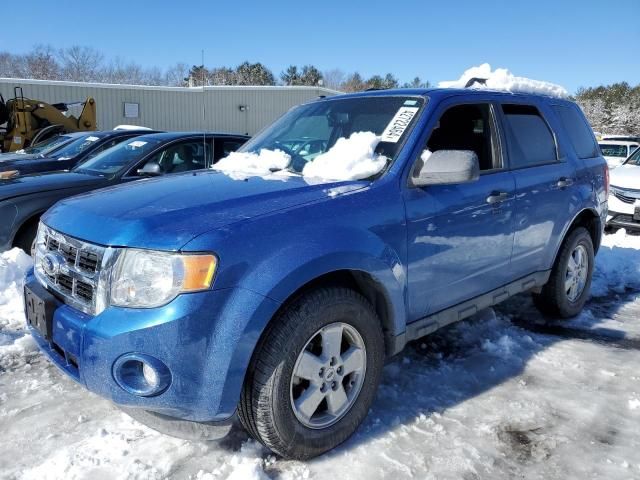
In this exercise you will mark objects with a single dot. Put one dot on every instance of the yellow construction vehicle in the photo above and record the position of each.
(31, 121)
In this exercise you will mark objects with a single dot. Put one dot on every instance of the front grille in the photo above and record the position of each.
(624, 198)
(625, 195)
(69, 267)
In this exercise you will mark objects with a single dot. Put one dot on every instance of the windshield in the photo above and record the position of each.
(634, 159)
(614, 150)
(123, 155)
(74, 148)
(311, 130)
(46, 146)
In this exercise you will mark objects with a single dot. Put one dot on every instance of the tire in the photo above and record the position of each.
(26, 239)
(555, 299)
(268, 407)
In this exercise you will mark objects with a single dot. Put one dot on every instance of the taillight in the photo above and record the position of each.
(606, 180)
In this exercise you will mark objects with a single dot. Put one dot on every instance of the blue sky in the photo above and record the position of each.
(571, 42)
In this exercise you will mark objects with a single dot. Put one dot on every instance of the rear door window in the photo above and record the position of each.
(530, 141)
(578, 130)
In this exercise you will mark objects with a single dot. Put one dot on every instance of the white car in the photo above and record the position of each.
(624, 195)
(616, 151)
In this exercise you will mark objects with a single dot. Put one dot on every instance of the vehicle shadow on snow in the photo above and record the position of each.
(467, 359)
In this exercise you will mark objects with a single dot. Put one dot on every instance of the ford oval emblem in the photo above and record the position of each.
(51, 263)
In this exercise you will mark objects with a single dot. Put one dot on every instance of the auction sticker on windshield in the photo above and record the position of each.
(398, 124)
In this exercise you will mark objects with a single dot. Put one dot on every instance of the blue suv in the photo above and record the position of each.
(275, 298)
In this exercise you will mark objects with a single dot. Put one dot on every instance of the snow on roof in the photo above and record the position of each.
(503, 80)
(130, 127)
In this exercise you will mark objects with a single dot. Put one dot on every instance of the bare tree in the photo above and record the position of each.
(333, 78)
(81, 64)
(41, 63)
(12, 66)
(177, 75)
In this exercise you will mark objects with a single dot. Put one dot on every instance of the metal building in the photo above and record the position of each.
(232, 109)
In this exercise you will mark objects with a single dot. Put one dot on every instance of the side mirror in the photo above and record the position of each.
(150, 169)
(446, 167)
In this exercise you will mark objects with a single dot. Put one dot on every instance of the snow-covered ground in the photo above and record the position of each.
(502, 395)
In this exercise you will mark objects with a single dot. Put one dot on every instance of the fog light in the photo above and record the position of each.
(141, 375)
(150, 375)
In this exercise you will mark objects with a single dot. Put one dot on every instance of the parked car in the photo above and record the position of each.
(82, 145)
(23, 199)
(624, 199)
(624, 138)
(41, 149)
(615, 152)
(278, 294)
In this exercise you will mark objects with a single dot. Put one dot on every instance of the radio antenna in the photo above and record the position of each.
(204, 115)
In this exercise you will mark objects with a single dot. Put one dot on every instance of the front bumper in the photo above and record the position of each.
(204, 339)
(621, 214)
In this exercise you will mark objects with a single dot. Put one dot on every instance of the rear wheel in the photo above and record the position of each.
(567, 290)
(314, 374)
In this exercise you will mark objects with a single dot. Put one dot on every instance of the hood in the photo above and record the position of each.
(8, 157)
(46, 182)
(165, 213)
(625, 176)
(23, 161)
(613, 162)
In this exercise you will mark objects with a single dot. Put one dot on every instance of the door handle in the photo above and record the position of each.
(564, 182)
(497, 197)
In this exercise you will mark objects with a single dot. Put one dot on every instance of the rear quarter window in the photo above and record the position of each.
(530, 141)
(578, 130)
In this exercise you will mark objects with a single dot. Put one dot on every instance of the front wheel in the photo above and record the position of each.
(567, 290)
(314, 374)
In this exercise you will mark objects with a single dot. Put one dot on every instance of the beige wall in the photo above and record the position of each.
(174, 108)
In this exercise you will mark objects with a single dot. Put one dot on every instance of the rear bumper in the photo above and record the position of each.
(204, 339)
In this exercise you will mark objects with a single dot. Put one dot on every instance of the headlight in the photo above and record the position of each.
(146, 279)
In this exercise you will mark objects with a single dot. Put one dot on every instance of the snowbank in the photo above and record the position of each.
(617, 264)
(503, 79)
(352, 158)
(484, 398)
(249, 163)
(14, 345)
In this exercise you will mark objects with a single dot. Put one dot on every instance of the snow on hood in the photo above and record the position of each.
(352, 158)
(503, 79)
(240, 164)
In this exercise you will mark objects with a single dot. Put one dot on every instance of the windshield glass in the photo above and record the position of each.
(74, 148)
(123, 155)
(614, 150)
(310, 131)
(634, 159)
(47, 146)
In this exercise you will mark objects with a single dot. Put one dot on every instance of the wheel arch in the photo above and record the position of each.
(365, 284)
(591, 221)
(25, 224)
